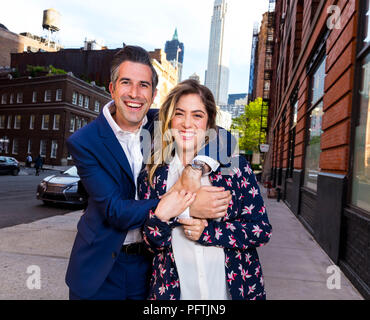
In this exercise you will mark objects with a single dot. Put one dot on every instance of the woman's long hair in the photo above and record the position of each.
(162, 155)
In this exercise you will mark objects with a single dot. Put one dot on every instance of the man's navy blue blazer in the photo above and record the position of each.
(112, 209)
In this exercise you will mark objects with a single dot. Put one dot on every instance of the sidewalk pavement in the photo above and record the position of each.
(294, 265)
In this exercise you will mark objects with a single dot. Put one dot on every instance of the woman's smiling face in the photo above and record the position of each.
(189, 123)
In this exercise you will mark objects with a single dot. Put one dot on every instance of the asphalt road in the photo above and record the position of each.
(18, 203)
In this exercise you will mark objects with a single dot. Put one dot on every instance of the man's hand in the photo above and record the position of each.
(193, 227)
(189, 180)
(210, 203)
(173, 203)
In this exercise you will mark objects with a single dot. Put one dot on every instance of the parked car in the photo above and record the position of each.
(65, 187)
(9, 165)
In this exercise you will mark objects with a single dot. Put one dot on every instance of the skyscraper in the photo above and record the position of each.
(175, 52)
(217, 74)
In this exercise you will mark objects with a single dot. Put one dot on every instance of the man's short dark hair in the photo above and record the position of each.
(133, 54)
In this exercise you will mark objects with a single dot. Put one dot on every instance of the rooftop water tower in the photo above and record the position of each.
(51, 22)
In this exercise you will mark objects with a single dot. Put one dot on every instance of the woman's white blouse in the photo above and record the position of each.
(201, 269)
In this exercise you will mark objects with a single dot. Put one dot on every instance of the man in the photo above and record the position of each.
(108, 260)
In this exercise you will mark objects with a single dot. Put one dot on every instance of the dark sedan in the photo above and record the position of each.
(62, 188)
(9, 165)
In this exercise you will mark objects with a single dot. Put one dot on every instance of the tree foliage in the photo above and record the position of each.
(249, 126)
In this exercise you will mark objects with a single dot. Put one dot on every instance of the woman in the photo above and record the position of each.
(196, 259)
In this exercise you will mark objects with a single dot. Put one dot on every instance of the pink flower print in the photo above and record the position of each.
(248, 169)
(147, 194)
(172, 297)
(241, 289)
(248, 210)
(227, 261)
(164, 184)
(229, 182)
(257, 231)
(218, 176)
(251, 289)
(231, 276)
(237, 172)
(263, 210)
(151, 214)
(257, 271)
(207, 237)
(154, 231)
(218, 233)
(162, 289)
(253, 191)
(245, 182)
(232, 241)
(245, 234)
(231, 203)
(248, 258)
(230, 226)
(244, 273)
(238, 255)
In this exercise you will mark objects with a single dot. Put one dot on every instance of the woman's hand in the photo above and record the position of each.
(193, 227)
(173, 203)
(189, 180)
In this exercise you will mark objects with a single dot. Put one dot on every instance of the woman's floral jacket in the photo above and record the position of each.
(244, 228)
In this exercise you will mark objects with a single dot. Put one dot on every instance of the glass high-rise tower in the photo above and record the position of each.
(217, 74)
(175, 52)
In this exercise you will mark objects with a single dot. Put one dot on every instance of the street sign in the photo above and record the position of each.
(264, 147)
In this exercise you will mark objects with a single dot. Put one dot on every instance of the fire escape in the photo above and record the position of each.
(268, 68)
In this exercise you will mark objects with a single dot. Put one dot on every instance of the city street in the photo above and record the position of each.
(18, 203)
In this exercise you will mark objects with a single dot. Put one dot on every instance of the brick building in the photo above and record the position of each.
(11, 42)
(94, 65)
(319, 127)
(38, 114)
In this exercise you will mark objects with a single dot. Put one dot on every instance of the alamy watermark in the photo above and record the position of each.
(334, 20)
(334, 280)
(34, 280)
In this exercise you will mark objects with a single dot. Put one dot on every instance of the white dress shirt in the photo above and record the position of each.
(130, 143)
(201, 269)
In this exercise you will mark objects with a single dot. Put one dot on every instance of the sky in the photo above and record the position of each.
(147, 23)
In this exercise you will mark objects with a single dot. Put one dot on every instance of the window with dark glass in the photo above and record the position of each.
(314, 121)
(361, 158)
(292, 134)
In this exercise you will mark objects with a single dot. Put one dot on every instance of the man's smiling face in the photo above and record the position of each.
(132, 94)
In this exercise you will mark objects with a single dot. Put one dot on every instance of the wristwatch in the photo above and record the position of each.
(198, 165)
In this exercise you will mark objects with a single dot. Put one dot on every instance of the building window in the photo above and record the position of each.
(97, 106)
(54, 149)
(9, 126)
(19, 97)
(45, 122)
(78, 123)
(17, 122)
(313, 150)
(15, 146)
(11, 100)
(3, 98)
(80, 100)
(86, 102)
(58, 95)
(43, 148)
(29, 147)
(56, 122)
(361, 162)
(292, 134)
(74, 98)
(47, 97)
(34, 97)
(32, 122)
(2, 122)
(72, 124)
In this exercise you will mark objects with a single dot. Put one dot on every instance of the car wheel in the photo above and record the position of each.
(15, 172)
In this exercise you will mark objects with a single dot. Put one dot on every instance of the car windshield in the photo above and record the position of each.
(72, 171)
